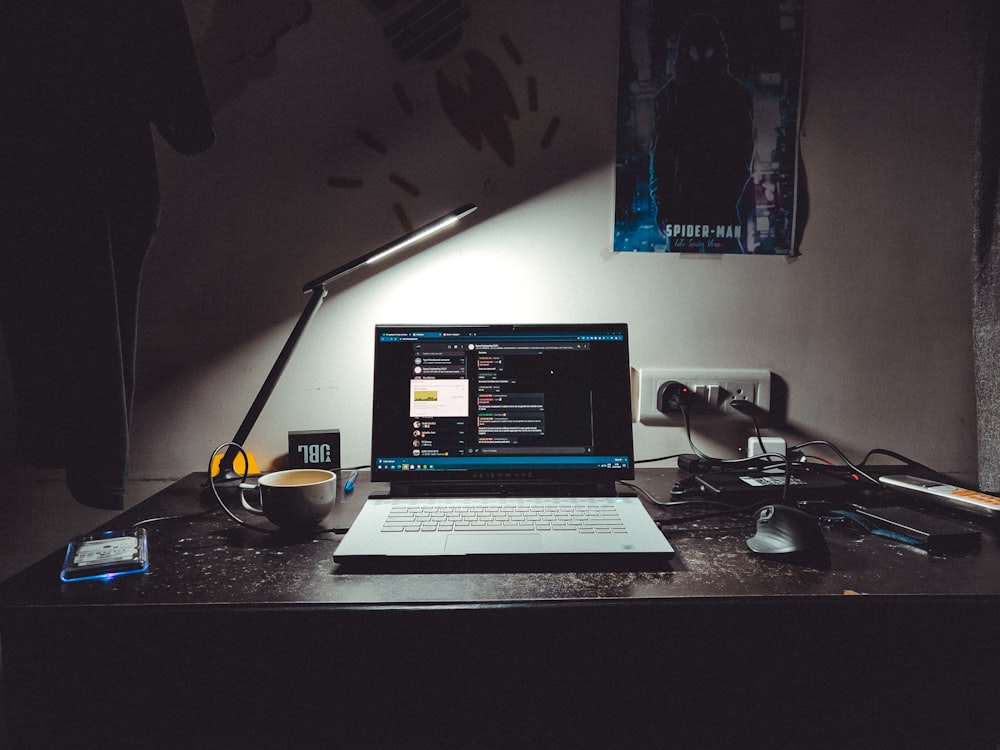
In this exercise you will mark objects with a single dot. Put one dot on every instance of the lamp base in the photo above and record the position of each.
(238, 466)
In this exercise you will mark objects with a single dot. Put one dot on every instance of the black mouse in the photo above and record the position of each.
(788, 533)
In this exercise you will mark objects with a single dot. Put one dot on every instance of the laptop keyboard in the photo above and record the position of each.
(585, 516)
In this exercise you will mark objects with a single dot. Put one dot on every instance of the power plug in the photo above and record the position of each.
(673, 396)
(771, 445)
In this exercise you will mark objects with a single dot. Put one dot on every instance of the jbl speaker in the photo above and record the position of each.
(314, 449)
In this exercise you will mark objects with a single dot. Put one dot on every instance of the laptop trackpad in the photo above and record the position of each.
(462, 544)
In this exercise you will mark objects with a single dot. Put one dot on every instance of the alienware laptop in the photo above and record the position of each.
(503, 445)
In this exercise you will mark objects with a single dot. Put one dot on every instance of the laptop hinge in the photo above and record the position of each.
(500, 489)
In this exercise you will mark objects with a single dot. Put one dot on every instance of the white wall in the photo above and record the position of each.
(870, 328)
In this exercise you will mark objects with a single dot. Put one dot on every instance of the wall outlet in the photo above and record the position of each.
(712, 391)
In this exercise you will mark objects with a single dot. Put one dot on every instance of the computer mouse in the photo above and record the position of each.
(791, 534)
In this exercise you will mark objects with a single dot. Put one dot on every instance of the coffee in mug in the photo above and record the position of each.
(295, 498)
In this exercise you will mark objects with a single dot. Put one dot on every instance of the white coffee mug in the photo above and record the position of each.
(295, 498)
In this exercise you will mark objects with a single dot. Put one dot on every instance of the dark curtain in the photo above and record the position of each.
(986, 239)
(80, 85)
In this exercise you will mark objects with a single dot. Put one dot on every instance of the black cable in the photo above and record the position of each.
(359, 467)
(899, 457)
(840, 453)
(178, 517)
(744, 406)
(739, 405)
(661, 458)
(671, 503)
(751, 509)
(686, 414)
(704, 456)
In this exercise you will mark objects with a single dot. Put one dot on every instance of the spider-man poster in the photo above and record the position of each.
(708, 117)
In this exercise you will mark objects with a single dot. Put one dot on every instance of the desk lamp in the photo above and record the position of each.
(317, 291)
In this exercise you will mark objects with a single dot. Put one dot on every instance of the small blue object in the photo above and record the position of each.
(872, 528)
(349, 484)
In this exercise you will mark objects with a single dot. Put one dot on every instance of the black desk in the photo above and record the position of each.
(235, 639)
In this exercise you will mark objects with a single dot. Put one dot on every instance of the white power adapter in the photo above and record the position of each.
(771, 445)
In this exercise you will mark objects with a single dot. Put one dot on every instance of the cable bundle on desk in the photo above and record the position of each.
(686, 488)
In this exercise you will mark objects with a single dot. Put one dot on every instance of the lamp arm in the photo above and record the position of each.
(317, 289)
(376, 255)
(226, 470)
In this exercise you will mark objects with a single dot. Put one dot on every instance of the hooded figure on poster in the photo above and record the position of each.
(703, 148)
(707, 123)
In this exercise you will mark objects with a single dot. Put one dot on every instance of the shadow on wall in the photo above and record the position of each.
(342, 126)
(240, 42)
(240, 46)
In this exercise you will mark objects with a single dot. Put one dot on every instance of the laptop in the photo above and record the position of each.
(502, 447)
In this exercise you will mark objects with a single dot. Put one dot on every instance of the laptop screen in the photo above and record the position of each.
(502, 405)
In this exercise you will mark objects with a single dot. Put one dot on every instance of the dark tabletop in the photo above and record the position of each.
(208, 560)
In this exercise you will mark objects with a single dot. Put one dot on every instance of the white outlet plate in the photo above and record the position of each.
(718, 386)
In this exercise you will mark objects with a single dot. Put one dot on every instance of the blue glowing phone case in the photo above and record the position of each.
(106, 554)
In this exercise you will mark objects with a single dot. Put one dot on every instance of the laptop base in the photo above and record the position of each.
(505, 563)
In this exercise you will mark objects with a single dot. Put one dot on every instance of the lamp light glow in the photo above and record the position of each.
(317, 290)
(379, 253)
(414, 238)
